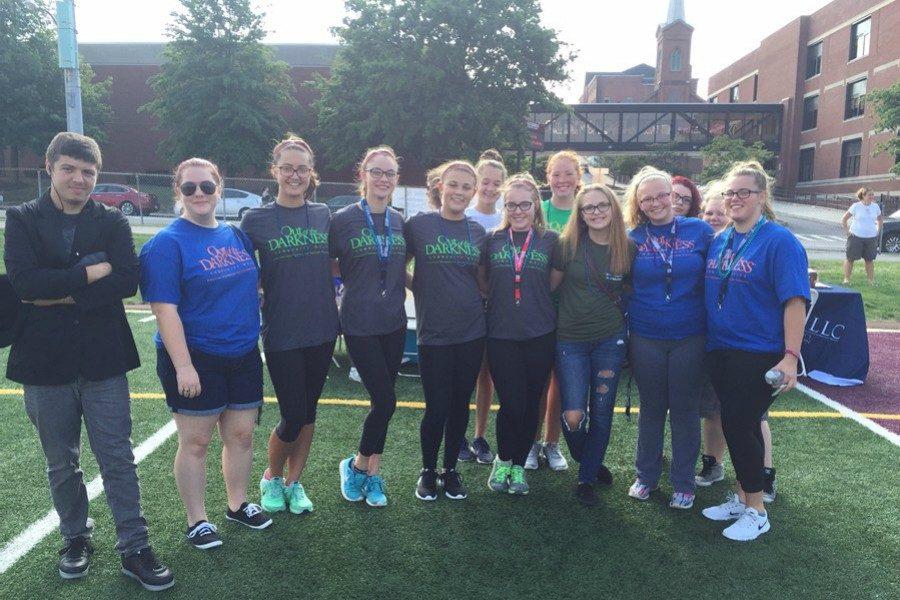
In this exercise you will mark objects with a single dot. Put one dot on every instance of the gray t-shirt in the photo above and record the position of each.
(449, 308)
(299, 309)
(364, 310)
(68, 229)
(535, 314)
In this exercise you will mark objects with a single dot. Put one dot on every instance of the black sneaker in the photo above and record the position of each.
(426, 487)
(584, 493)
(712, 471)
(76, 558)
(604, 476)
(466, 454)
(482, 451)
(769, 488)
(454, 489)
(147, 570)
(249, 514)
(204, 535)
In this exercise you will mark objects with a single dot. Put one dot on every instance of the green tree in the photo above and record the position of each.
(723, 151)
(32, 101)
(886, 105)
(220, 93)
(436, 79)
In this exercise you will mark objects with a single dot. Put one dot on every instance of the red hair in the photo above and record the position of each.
(696, 198)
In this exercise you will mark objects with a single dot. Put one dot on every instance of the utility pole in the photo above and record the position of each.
(68, 62)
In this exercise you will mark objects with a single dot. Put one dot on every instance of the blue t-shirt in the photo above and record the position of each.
(212, 277)
(771, 270)
(683, 315)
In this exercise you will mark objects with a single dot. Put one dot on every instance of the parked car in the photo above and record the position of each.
(127, 199)
(233, 203)
(890, 233)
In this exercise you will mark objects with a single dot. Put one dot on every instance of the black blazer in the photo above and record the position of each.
(55, 345)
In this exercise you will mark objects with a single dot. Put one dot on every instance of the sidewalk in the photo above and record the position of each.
(808, 212)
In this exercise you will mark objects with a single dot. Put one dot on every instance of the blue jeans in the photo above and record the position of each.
(588, 374)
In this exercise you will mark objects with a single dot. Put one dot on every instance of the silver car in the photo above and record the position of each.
(233, 203)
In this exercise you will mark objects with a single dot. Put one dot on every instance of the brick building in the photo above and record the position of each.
(819, 67)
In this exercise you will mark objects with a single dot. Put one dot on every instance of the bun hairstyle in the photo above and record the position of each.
(492, 158)
(861, 192)
(567, 155)
(439, 173)
(752, 168)
(186, 164)
(491, 154)
(526, 182)
(369, 155)
(634, 216)
(294, 142)
(696, 198)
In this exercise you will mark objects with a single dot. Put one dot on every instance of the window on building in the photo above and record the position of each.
(810, 112)
(807, 163)
(755, 87)
(859, 38)
(734, 94)
(855, 104)
(813, 59)
(675, 64)
(850, 154)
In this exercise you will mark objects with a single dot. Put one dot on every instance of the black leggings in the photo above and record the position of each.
(377, 358)
(520, 369)
(448, 374)
(298, 377)
(739, 380)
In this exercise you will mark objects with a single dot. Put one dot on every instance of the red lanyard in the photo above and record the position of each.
(518, 261)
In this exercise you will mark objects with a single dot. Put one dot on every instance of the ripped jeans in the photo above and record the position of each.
(588, 374)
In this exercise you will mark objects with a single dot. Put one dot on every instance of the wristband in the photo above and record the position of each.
(792, 353)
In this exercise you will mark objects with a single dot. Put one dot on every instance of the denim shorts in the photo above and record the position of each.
(233, 383)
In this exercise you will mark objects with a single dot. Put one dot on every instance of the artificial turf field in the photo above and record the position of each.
(834, 534)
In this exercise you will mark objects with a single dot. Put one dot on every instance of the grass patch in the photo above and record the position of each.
(880, 300)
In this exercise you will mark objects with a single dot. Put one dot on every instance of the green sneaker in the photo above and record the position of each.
(517, 483)
(272, 499)
(297, 499)
(499, 478)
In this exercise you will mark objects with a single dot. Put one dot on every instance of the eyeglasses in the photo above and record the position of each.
(189, 187)
(593, 209)
(659, 198)
(742, 193)
(521, 206)
(288, 170)
(377, 173)
(678, 199)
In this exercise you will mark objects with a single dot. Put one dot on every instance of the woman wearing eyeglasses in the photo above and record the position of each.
(592, 262)
(300, 321)
(686, 198)
(757, 286)
(200, 279)
(367, 240)
(668, 326)
(521, 321)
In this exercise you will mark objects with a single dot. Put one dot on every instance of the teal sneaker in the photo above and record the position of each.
(517, 483)
(272, 494)
(499, 478)
(351, 481)
(298, 501)
(373, 488)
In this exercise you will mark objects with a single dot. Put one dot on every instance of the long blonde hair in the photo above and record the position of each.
(634, 216)
(576, 230)
(752, 168)
(526, 182)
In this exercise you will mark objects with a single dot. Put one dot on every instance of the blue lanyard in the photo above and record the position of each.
(468, 237)
(668, 261)
(724, 271)
(383, 242)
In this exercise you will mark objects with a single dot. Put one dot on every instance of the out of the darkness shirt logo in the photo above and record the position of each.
(535, 259)
(366, 243)
(664, 242)
(222, 258)
(452, 248)
(296, 241)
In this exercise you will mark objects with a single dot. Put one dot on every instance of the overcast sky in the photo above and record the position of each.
(608, 36)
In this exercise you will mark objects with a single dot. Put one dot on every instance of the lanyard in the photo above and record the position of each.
(589, 270)
(724, 271)
(456, 261)
(669, 260)
(518, 262)
(383, 242)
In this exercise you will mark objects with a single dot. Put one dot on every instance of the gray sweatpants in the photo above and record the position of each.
(56, 412)
(669, 376)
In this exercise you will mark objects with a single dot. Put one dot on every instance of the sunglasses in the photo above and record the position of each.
(189, 187)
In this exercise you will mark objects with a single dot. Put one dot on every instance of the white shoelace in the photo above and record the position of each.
(203, 529)
(252, 510)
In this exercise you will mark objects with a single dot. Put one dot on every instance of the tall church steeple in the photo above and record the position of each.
(673, 58)
(676, 12)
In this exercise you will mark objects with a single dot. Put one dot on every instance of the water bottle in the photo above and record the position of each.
(775, 377)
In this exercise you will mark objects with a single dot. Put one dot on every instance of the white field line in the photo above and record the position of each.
(147, 319)
(20, 545)
(851, 414)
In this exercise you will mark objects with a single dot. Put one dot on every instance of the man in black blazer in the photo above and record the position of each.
(71, 261)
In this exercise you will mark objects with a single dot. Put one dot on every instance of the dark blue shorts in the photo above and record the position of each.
(233, 383)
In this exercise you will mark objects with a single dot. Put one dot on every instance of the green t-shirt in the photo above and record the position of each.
(586, 313)
(556, 217)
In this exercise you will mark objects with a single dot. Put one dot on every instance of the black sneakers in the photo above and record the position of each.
(76, 558)
(453, 485)
(426, 487)
(604, 476)
(769, 488)
(465, 452)
(204, 535)
(584, 493)
(249, 514)
(482, 451)
(144, 567)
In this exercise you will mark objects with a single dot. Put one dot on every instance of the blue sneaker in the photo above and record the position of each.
(351, 481)
(374, 491)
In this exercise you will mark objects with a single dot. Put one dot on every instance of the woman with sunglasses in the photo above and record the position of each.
(521, 321)
(686, 198)
(757, 286)
(200, 279)
(668, 326)
(300, 321)
(592, 262)
(367, 240)
(447, 246)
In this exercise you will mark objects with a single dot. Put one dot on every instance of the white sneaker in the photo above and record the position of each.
(531, 463)
(729, 510)
(354, 375)
(748, 527)
(555, 459)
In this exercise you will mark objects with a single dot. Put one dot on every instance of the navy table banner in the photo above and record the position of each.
(835, 342)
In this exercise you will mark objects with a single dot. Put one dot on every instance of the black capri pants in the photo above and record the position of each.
(298, 377)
